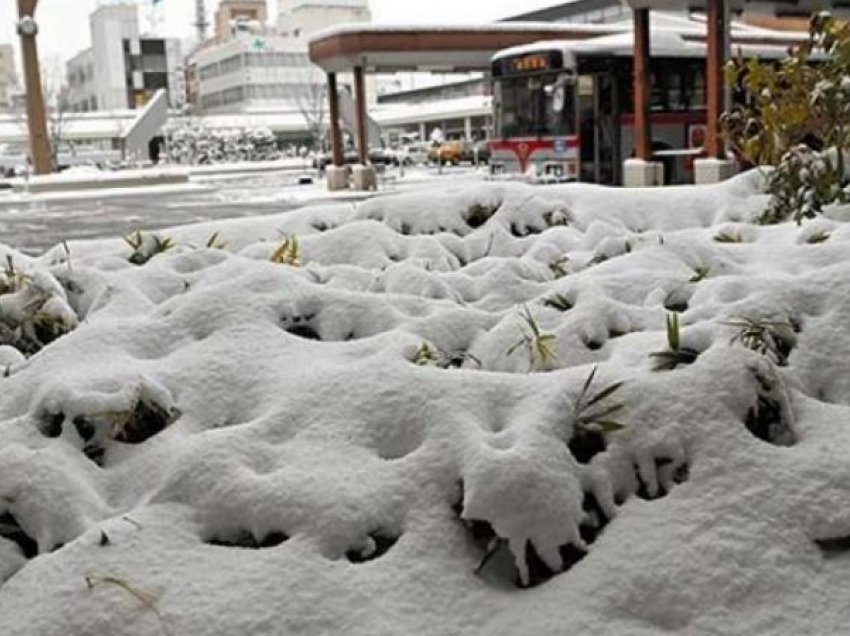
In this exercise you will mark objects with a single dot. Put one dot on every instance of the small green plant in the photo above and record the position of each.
(676, 354)
(819, 236)
(558, 266)
(588, 419)
(214, 243)
(729, 237)
(558, 301)
(144, 250)
(771, 338)
(428, 355)
(700, 273)
(14, 280)
(288, 252)
(535, 341)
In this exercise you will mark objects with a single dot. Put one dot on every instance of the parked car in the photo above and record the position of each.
(447, 152)
(476, 151)
(377, 157)
(412, 154)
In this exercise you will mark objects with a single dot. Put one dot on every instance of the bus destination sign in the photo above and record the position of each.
(528, 63)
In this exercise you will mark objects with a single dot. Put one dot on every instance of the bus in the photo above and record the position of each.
(564, 110)
(535, 111)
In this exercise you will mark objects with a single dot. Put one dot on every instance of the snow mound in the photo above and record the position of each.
(496, 408)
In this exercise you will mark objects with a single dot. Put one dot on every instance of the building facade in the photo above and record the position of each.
(123, 68)
(253, 71)
(253, 67)
(302, 18)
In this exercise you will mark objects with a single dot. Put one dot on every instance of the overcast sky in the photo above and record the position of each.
(64, 28)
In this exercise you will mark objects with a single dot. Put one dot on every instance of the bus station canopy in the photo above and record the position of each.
(442, 49)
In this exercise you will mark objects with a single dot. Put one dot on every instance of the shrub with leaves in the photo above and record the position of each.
(147, 245)
(728, 237)
(701, 272)
(590, 415)
(803, 183)
(676, 354)
(797, 109)
(558, 301)
(288, 252)
(429, 355)
(535, 342)
(33, 309)
(771, 338)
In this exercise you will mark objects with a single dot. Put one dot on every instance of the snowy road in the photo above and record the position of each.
(36, 226)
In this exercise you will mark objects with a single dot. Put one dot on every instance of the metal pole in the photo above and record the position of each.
(36, 115)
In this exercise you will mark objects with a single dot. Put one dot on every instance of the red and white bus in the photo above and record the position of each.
(535, 111)
(564, 110)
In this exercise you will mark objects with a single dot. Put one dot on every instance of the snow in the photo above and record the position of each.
(354, 434)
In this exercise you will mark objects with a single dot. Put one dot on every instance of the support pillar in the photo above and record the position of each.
(360, 117)
(641, 170)
(716, 166)
(423, 134)
(336, 131)
(642, 88)
(363, 175)
(336, 173)
(467, 128)
(36, 115)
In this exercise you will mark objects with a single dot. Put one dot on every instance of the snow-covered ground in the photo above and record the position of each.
(405, 416)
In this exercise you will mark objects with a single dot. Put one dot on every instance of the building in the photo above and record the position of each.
(123, 68)
(8, 76)
(253, 71)
(232, 13)
(301, 18)
(250, 66)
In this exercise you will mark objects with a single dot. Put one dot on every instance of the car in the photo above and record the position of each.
(476, 152)
(377, 157)
(447, 152)
(412, 154)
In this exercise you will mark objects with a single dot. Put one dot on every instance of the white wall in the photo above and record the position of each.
(110, 26)
(309, 17)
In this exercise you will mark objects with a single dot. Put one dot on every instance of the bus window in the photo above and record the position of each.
(538, 106)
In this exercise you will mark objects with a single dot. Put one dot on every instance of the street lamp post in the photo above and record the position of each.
(36, 116)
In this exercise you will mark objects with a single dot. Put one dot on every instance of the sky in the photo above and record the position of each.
(64, 28)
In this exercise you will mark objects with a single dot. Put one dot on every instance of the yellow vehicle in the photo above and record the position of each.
(447, 152)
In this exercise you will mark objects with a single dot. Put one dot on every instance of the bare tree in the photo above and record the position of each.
(57, 104)
(311, 99)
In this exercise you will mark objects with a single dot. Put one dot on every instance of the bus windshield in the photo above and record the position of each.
(535, 106)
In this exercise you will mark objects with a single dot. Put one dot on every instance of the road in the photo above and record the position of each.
(36, 226)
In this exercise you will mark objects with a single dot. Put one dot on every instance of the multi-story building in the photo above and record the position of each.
(301, 18)
(253, 71)
(8, 77)
(250, 66)
(123, 68)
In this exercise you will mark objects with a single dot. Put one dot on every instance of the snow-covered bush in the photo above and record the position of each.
(198, 145)
(33, 307)
(802, 184)
(797, 117)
